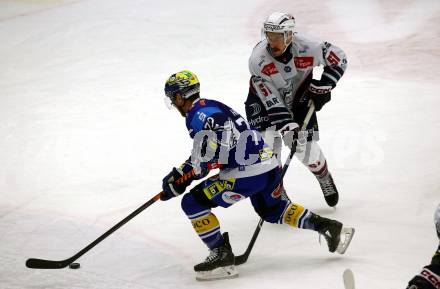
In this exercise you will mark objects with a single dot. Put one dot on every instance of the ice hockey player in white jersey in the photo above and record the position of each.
(429, 277)
(282, 85)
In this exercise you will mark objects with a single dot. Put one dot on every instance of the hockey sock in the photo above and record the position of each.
(297, 216)
(319, 168)
(314, 159)
(207, 227)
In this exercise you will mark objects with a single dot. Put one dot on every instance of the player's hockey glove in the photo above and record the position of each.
(320, 93)
(429, 278)
(289, 133)
(176, 182)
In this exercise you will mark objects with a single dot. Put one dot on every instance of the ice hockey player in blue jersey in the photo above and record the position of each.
(223, 140)
(429, 277)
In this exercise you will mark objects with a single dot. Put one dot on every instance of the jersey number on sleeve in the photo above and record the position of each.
(264, 89)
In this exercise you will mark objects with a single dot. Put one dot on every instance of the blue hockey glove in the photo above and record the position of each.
(176, 182)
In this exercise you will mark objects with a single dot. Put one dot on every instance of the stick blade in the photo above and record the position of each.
(46, 264)
(241, 259)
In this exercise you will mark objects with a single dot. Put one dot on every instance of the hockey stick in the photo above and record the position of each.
(241, 259)
(50, 264)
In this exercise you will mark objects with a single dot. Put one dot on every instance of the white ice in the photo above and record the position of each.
(85, 139)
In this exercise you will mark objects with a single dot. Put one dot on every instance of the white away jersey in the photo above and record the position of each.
(306, 54)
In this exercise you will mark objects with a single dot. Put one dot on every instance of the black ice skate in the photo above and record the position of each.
(332, 231)
(219, 264)
(329, 190)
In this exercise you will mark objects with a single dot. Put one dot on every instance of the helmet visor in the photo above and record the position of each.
(275, 37)
(169, 104)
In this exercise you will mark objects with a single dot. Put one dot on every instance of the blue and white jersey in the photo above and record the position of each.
(223, 139)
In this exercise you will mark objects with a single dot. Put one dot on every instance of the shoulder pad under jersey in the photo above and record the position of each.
(200, 114)
(260, 61)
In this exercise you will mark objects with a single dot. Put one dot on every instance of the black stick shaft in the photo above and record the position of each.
(50, 264)
(241, 259)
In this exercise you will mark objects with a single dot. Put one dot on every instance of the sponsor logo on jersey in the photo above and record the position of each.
(269, 69)
(231, 197)
(214, 165)
(217, 187)
(265, 154)
(260, 119)
(302, 62)
(271, 102)
(256, 109)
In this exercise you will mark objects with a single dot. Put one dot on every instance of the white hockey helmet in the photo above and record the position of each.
(279, 22)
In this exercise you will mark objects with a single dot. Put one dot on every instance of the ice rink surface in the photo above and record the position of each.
(85, 139)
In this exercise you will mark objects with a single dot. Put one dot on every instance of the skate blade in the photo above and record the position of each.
(227, 272)
(346, 236)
